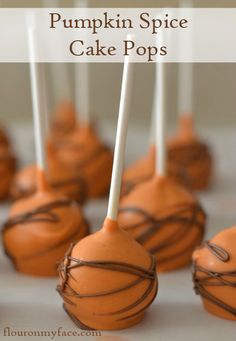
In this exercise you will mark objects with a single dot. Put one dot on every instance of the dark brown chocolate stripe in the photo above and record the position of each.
(39, 214)
(203, 278)
(218, 251)
(94, 154)
(188, 153)
(155, 225)
(79, 193)
(67, 292)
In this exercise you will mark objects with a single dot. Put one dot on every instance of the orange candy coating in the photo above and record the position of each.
(188, 152)
(64, 120)
(166, 219)
(214, 274)
(83, 152)
(107, 280)
(40, 230)
(144, 169)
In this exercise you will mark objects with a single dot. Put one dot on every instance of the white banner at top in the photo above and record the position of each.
(99, 34)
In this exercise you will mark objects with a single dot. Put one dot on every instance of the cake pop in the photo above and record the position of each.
(159, 213)
(84, 153)
(41, 227)
(166, 219)
(108, 280)
(214, 274)
(144, 169)
(189, 152)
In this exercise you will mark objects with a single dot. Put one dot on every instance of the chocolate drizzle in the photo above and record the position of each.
(195, 158)
(69, 295)
(204, 278)
(40, 214)
(78, 193)
(188, 153)
(185, 217)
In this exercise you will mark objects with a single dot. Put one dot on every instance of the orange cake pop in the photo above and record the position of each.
(214, 274)
(40, 229)
(84, 153)
(188, 152)
(166, 219)
(144, 169)
(108, 280)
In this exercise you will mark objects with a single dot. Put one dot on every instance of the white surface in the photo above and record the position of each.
(33, 304)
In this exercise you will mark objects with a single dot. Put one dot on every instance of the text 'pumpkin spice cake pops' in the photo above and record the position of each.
(41, 227)
(108, 280)
(159, 213)
(214, 274)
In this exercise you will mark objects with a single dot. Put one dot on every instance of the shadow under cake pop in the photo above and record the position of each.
(214, 274)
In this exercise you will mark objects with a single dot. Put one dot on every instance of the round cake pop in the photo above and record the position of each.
(188, 152)
(84, 153)
(61, 178)
(64, 120)
(107, 280)
(144, 169)
(214, 274)
(166, 219)
(40, 229)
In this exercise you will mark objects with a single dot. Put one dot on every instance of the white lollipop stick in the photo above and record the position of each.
(185, 86)
(82, 80)
(44, 97)
(121, 135)
(36, 97)
(160, 115)
(59, 71)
